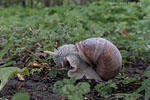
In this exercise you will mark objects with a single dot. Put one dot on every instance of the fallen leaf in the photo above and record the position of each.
(138, 71)
(125, 32)
(39, 65)
(20, 77)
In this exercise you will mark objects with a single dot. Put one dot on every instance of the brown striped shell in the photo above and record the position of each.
(102, 54)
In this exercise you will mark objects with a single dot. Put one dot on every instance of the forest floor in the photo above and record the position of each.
(40, 85)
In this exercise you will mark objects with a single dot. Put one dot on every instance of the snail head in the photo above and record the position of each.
(58, 59)
(60, 54)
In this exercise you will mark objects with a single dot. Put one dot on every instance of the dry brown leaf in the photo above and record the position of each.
(138, 71)
(38, 65)
(20, 77)
(126, 32)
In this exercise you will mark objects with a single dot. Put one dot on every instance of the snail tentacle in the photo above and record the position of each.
(50, 53)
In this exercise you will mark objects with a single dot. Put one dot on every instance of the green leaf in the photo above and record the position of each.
(72, 80)
(58, 86)
(7, 64)
(147, 94)
(9, 72)
(84, 87)
(147, 73)
(2, 53)
(135, 95)
(21, 96)
(53, 73)
(68, 89)
(129, 80)
(98, 86)
(106, 89)
(3, 99)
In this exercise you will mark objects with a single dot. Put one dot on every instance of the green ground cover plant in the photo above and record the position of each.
(73, 92)
(126, 25)
(6, 71)
(21, 96)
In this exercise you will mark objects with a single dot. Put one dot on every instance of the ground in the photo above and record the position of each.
(39, 86)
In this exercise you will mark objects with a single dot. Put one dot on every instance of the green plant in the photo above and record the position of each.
(36, 70)
(7, 72)
(105, 90)
(21, 96)
(128, 26)
(127, 81)
(53, 73)
(145, 87)
(67, 89)
(3, 99)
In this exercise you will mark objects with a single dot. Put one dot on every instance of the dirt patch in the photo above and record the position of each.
(38, 87)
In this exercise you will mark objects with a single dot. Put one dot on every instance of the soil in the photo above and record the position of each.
(40, 85)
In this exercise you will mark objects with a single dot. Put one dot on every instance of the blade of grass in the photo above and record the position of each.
(2, 53)
(7, 64)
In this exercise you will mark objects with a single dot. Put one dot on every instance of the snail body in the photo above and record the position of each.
(95, 58)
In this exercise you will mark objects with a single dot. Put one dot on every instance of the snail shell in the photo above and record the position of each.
(102, 55)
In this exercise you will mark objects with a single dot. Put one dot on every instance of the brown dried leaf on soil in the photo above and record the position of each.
(126, 32)
(20, 77)
(37, 65)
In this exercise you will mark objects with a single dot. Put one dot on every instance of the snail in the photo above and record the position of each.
(94, 58)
